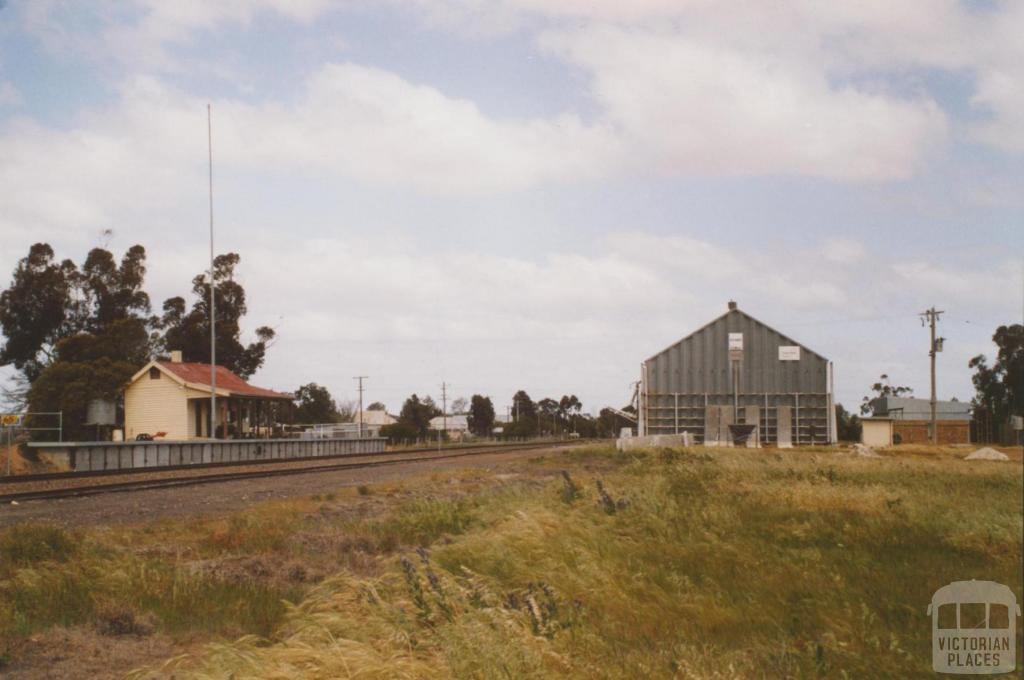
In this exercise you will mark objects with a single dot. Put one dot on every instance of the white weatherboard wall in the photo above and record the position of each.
(152, 406)
(876, 432)
(201, 400)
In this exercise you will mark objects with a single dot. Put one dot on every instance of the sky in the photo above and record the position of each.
(535, 195)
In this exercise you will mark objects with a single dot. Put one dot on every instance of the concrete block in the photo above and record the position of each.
(58, 458)
(655, 440)
(784, 427)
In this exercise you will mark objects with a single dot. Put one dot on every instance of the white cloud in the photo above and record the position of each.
(141, 33)
(843, 250)
(352, 122)
(370, 124)
(984, 290)
(10, 97)
(774, 67)
(695, 108)
(692, 266)
(1001, 93)
(570, 321)
(690, 88)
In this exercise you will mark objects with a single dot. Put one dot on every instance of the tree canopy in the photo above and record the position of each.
(79, 333)
(883, 388)
(481, 415)
(848, 425)
(314, 404)
(49, 301)
(999, 388)
(189, 331)
(416, 414)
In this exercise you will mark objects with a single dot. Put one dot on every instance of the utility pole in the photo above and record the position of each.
(213, 303)
(9, 452)
(931, 316)
(360, 378)
(444, 414)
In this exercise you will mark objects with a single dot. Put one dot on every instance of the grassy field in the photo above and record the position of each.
(691, 564)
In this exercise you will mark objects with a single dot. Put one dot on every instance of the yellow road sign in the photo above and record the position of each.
(10, 419)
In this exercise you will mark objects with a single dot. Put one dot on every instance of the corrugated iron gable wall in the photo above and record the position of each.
(691, 382)
(700, 363)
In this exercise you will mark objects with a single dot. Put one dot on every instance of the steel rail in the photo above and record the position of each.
(81, 474)
(195, 480)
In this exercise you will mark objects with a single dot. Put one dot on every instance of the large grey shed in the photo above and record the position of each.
(737, 380)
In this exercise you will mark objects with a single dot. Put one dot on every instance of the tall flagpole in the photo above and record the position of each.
(213, 304)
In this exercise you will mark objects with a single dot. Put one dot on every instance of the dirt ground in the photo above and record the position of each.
(83, 652)
(212, 499)
(19, 465)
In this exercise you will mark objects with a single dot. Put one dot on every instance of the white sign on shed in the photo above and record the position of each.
(789, 353)
(736, 346)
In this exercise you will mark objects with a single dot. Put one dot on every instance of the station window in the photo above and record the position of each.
(154, 373)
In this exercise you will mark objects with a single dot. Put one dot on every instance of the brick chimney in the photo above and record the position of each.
(175, 356)
(732, 305)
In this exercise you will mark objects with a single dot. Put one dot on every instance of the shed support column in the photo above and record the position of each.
(796, 417)
(705, 430)
(764, 432)
(641, 402)
(833, 425)
(677, 412)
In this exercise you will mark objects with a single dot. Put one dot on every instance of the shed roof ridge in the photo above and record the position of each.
(722, 316)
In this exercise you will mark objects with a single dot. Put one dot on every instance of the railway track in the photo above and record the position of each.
(194, 480)
(82, 474)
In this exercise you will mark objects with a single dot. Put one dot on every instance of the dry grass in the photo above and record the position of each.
(680, 563)
(713, 564)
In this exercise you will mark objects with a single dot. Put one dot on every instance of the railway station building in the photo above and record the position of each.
(173, 398)
(738, 381)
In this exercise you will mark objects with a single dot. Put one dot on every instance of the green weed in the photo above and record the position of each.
(26, 544)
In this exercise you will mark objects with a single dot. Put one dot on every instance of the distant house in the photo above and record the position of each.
(912, 408)
(905, 420)
(457, 427)
(173, 398)
(376, 419)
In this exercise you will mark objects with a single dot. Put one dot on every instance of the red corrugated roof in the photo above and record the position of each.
(199, 374)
